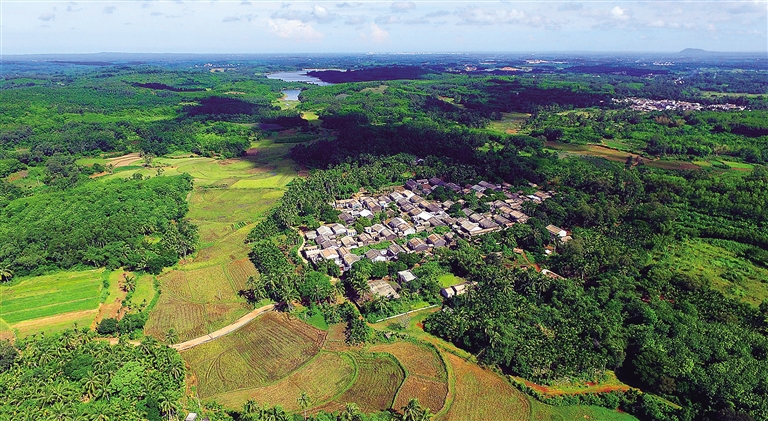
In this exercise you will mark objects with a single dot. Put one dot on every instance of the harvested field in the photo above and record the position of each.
(336, 339)
(218, 315)
(418, 360)
(188, 319)
(274, 345)
(239, 271)
(483, 395)
(204, 283)
(378, 379)
(322, 379)
(430, 393)
(261, 352)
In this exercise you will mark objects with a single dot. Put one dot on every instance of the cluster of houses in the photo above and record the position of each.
(406, 222)
(645, 104)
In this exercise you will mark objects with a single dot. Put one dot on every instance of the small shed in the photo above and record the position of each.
(191, 417)
(405, 276)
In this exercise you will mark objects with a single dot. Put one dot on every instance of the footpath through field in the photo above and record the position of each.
(237, 324)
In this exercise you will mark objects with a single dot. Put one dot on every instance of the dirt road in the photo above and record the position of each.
(237, 324)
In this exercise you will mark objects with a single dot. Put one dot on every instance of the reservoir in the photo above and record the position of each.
(291, 94)
(298, 76)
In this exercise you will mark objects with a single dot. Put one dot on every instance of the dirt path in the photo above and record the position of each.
(237, 324)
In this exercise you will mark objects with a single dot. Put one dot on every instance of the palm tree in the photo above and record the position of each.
(413, 411)
(250, 406)
(351, 413)
(304, 402)
(6, 273)
(171, 337)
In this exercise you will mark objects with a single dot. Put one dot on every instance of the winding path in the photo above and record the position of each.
(237, 324)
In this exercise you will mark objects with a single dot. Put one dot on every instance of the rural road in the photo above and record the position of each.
(237, 324)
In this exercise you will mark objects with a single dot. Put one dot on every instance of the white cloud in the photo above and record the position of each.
(387, 20)
(294, 29)
(318, 14)
(109, 10)
(619, 13)
(378, 35)
(47, 17)
(355, 20)
(402, 6)
(477, 16)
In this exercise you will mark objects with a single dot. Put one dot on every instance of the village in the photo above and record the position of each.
(644, 104)
(403, 221)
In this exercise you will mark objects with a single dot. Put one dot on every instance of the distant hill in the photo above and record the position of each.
(697, 52)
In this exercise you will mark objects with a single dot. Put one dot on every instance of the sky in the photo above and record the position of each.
(322, 26)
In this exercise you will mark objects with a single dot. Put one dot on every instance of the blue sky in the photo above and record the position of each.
(254, 26)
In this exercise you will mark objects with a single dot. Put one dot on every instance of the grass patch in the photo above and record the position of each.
(543, 412)
(449, 279)
(734, 276)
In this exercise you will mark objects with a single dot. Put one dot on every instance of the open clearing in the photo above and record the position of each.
(618, 155)
(51, 303)
(734, 276)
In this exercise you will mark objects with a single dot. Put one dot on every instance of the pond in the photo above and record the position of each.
(291, 94)
(298, 76)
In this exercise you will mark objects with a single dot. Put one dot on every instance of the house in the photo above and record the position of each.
(324, 230)
(329, 244)
(382, 289)
(454, 290)
(488, 185)
(454, 187)
(338, 229)
(349, 242)
(417, 244)
(410, 185)
(365, 239)
(435, 181)
(436, 222)
(468, 227)
(373, 206)
(486, 223)
(395, 196)
(556, 232)
(476, 217)
(395, 222)
(415, 198)
(312, 255)
(375, 256)
(348, 260)
(387, 234)
(423, 216)
(405, 276)
(467, 211)
(549, 274)
(311, 235)
(394, 249)
(375, 229)
(329, 254)
(346, 218)
(436, 240)
(365, 213)
(504, 222)
(519, 216)
(478, 188)
(191, 417)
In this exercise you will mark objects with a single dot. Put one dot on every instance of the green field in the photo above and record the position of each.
(199, 295)
(449, 279)
(52, 302)
(734, 276)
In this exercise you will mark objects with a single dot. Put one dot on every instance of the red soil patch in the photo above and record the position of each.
(17, 176)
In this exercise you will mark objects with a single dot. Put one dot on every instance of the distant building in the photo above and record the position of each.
(191, 417)
(382, 289)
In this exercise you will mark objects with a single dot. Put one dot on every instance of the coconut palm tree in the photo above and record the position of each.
(171, 337)
(304, 402)
(6, 273)
(413, 411)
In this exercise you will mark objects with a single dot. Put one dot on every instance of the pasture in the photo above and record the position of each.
(51, 303)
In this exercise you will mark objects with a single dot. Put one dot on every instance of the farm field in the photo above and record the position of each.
(734, 276)
(51, 303)
(277, 357)
(200, 294)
